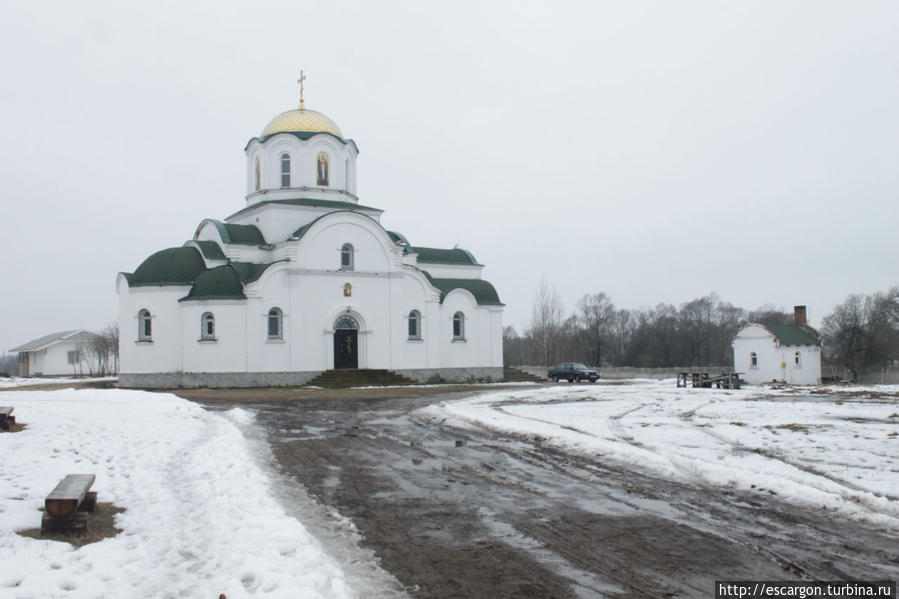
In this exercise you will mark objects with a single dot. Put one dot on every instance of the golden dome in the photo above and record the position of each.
(301, 120)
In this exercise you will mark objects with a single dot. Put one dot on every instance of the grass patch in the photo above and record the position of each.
(100, 525)
(797, 428)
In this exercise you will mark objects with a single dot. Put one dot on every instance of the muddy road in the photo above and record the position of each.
(453, 513)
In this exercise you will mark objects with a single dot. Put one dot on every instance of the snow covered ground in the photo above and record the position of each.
(201, 516)
(826, 448)
(16, 381)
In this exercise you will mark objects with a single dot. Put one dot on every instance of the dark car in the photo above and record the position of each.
(573, 372)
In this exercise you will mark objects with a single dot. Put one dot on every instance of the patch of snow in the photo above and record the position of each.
(201, 516)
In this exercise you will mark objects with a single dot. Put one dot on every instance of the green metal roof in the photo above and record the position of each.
(482, 290)
(791, 334)
(334, 204)
(220, 282)
(399, 238)
(226, 282)
(439, 256)
(211, 250)
(172, 266)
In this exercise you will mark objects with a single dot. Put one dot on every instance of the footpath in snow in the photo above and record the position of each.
(827, 448)
(201, 516)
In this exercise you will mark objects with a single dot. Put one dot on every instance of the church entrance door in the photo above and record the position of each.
(346, 343)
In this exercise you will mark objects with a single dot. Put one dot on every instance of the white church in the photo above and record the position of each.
(304, 279)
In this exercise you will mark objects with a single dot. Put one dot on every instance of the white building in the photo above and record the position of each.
(785, 353)
(304, 279)
(57, 354)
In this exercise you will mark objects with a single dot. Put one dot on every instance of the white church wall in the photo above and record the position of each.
(163, 352)
(226, 352)
(457, 353)
(320, 247)
(265, 354)
(452, 271)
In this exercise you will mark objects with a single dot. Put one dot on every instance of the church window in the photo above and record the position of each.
(322, 169)
(346, 323)
(797, 358)
(346, 257)
(144, 326)
(754, 360)
(285, 170)
(458, 326)
(258, 174)
(414, 324)
(207, 327)
(275, 322)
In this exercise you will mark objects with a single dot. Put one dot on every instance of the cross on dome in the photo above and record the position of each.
(300, 81)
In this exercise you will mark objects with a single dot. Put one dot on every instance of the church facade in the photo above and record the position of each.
(304, 279)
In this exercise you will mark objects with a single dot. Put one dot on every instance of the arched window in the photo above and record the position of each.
(414, 324)
(144, 326)
(285, 170)
(458, 326)
(797, 358)
(275, 322)
(346, 257)
(207, 327)
(321, 169)
(753, 360)
(258, 174)
(346, 323)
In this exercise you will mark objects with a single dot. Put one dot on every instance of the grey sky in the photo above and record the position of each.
(656, 151)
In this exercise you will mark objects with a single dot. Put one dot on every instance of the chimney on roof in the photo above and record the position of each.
(799, 315)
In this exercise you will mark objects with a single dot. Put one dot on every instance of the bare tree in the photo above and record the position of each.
(546, 323)
(594, 315)
(860, 333)
(769, 315)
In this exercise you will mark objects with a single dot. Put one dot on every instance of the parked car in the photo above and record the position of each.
(573, 372)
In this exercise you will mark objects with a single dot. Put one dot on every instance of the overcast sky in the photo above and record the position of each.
(657, 151)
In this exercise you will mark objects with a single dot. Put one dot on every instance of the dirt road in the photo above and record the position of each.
(453, 513)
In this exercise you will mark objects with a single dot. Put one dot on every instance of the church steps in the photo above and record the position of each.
(514, 375)
(362, 377)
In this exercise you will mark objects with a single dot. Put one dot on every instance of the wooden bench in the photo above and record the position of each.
(6, 418)
(66, 507)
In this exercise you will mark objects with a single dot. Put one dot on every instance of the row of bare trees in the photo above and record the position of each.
(860, 333)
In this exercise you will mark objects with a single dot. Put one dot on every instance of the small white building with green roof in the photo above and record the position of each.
(304, 279)
(779, 353)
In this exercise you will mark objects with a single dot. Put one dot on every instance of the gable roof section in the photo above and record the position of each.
(47, 340)
(308, 202)
(484, 292)
(211, 250)
(791, 334)
(226, 282)
(439, 256)
(172, 266)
